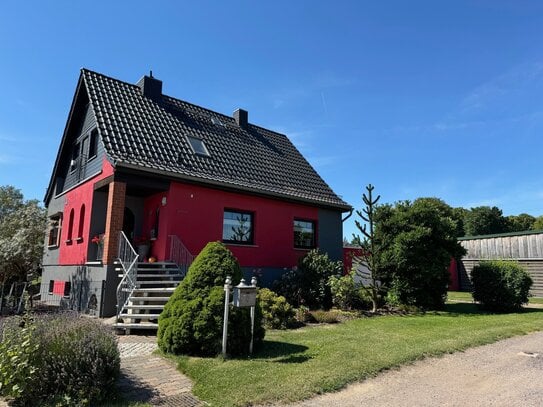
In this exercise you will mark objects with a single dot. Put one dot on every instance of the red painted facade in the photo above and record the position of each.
(195, 214)
(348, 254)
(454, 283)
(73, 249)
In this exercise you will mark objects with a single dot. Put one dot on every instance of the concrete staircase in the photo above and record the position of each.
(155, 284)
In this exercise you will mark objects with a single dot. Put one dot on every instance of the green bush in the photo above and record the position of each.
(500, 285)
(192, 320)
(303, 315)
(307, 284)
(326, 317)
(277, 313)
(57, 360)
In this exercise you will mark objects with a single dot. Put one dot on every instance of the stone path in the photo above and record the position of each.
(150, 378)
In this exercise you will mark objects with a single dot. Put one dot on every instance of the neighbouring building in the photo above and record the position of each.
(524, 247)
(138, 171)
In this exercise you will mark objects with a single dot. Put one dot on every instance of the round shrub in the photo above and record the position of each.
(59, 359)
(277, 313)
(192, 320)
(500, 285)
(307, 284)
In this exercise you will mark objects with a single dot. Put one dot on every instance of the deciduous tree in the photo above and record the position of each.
(416, 243)
(22, 228)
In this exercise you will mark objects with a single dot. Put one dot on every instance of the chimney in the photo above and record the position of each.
(241, 117)
(150, 87)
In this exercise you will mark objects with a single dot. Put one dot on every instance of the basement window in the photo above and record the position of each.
(198, 146)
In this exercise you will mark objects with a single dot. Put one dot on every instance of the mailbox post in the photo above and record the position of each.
(227, 287)
(244, 296)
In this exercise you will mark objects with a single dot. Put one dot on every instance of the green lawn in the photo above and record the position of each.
(458, 296)
(298, 364)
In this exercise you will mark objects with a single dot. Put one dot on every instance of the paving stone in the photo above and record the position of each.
(150, 378)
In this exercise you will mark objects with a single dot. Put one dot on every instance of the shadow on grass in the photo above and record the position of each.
(282, 352)
(467, 309)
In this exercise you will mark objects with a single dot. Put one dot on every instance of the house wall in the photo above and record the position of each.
(87, 166)
(330, 233)
(195, 215)
(75, 252)
(50, 255)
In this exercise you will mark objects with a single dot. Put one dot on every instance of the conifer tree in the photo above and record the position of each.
(369, 247)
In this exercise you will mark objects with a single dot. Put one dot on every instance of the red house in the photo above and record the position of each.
(140, 172)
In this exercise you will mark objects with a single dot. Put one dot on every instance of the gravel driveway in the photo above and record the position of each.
(505, 373)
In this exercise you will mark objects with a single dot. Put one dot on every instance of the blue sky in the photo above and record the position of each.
(419, 98)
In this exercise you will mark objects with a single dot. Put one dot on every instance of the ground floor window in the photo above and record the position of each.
(304, 234)
(237, 227)
(55, 223)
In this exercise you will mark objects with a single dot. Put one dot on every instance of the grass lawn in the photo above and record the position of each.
(297, 364)
(459, 296)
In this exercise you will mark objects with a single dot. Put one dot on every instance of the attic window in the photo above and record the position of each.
(198, 146)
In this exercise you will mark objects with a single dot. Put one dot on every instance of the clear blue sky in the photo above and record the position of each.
(420, 98)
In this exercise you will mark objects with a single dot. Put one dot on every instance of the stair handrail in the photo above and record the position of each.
(180, 255)
(128, 259)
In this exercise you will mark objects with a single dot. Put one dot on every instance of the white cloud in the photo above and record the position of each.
(503, 87)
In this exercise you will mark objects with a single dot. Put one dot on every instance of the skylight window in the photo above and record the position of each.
(198, 146)
(216, 121)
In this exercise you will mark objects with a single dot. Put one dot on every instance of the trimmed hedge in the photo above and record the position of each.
(192, 320)
(59, 359)
(500, 285)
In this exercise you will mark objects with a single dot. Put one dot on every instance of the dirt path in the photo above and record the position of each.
(506, 373)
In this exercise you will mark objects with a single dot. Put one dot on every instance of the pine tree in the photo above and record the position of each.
(369, 247)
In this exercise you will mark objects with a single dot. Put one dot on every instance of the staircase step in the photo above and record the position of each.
(176, 276)
(150, 299)
(145, 325)
(140, 316)
(157, 282)
(155, 290)
(145, 306)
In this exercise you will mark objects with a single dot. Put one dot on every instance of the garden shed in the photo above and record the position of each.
(524, 247)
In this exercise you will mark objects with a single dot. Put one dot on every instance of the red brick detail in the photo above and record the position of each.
(114, 220)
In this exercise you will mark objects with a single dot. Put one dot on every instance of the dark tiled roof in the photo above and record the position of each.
(138, 131)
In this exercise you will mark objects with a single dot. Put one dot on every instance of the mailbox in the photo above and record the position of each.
(244, 295)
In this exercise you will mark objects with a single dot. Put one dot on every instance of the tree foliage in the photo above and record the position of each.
(520, 223)
(538, 223)
(416, 243)
(22, 228)
(192, 320)
(484, 220)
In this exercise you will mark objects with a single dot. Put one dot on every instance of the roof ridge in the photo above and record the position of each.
(183, 101)
(108, 77)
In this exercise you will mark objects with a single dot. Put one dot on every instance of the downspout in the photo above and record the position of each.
(348, 216)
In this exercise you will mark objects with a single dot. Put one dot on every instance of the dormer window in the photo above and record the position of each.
(198, 146)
